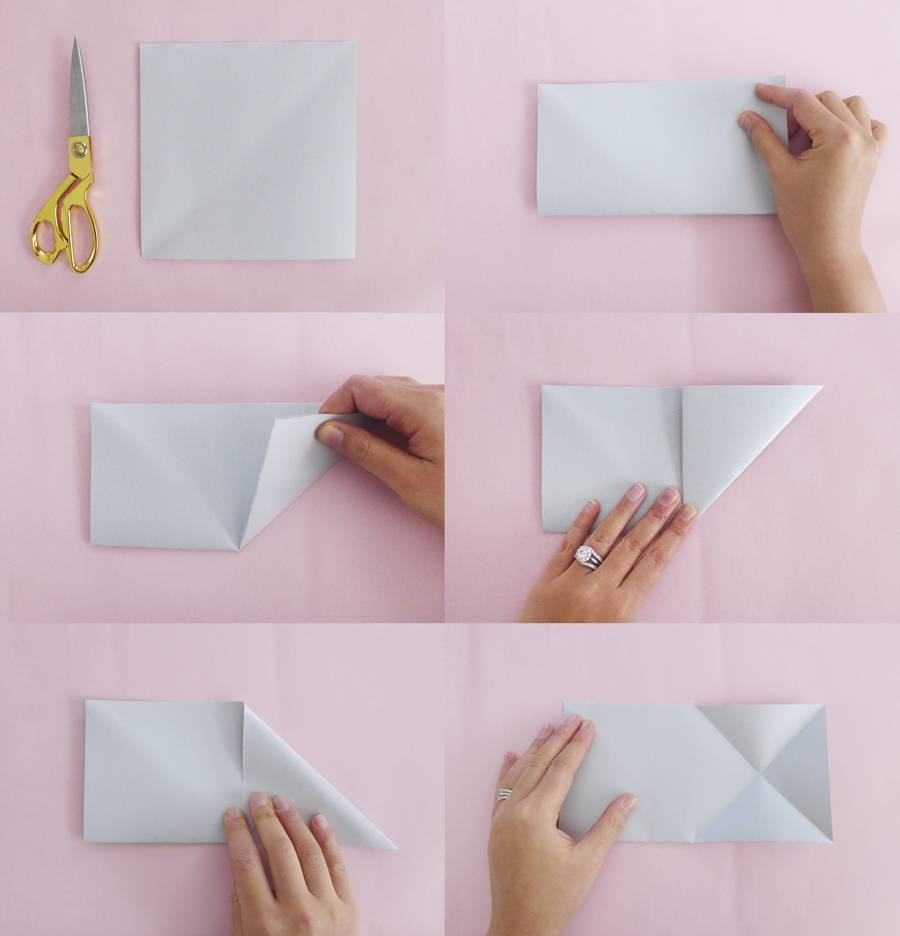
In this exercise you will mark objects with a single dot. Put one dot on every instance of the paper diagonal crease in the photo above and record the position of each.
(596, 441)
(723, 773)
(200, 475)
(166, 771)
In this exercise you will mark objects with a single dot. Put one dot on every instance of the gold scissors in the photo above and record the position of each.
(72, 192)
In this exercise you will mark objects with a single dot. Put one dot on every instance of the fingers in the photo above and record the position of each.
(649, 567)
(237, 927)
(611, 526)
(284, 864)
(836, 106)
(629, 549)
(388, 463)
(575, 537)
(250, 881)
(311, 861)
(389, 399)
(557, 780)
(512, 769)
(860, 111)
(604, 833)
(880, 132)
(805, 108)
(533, 771)
(765, 140)
(334, 860)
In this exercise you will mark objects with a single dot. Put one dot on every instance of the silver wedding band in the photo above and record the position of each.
(588, 557)
(503, 794)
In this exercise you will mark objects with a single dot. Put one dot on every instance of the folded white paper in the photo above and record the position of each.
(651, 147)
(706, 773)
(167, 771)
(248, 150)
(199, 475)
(596, 441)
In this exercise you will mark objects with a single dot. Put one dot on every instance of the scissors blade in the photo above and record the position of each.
(78, 112)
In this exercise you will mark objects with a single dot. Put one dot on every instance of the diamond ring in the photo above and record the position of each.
(588, 557)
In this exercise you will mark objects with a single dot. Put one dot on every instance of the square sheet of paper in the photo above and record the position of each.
(706, 773)
(248, 150)
(651, 147)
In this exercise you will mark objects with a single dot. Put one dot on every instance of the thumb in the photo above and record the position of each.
(604, 833)
(766, 141)
(388, 463)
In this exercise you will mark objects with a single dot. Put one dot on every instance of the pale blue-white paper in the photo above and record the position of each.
(652, 147)
(200, 475)
(706, 773)
(166, 772)
(248, 150)
(597, 441)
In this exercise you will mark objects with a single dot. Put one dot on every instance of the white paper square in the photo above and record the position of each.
(248, 150)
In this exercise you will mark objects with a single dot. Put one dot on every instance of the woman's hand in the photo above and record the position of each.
(820, 194)
(309, 894)
(568, 592)
(405, 449)
(540, 875)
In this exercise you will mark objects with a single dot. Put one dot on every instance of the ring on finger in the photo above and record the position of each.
(503, 794)
(588, 557)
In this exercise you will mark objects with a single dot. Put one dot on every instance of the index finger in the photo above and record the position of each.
(250, 881)
(804, 109)
(554, 786)
(385, 398)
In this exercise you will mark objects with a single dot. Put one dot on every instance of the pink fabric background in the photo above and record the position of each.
(504, 681)
(340, 695)
(347, 549)
(807, 533)
(503, 257)
(399, 263)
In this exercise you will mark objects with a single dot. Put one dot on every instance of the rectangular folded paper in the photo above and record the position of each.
(706, 773)
(200, 475)
(167, 771)
(651, 147)
(248, 150)
(596, 441)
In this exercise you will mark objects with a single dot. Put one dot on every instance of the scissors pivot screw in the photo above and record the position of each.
(79, 148)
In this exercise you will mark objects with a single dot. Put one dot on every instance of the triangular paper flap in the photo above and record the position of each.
(160, 771)
(760, 732)
(137, 474)
(273, 766)
(596, 441)
(759, 813)
(800, 773)
(724, 428)
(294, 460)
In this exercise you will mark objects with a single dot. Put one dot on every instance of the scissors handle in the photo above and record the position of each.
(57, 210)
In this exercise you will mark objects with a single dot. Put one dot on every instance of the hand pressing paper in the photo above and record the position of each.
(167, 771)
(596, 441)
(706, 773)
(248, 150)
(652, 147)
(200, 475)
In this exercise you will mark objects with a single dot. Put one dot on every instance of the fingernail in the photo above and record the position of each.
(545, 732)
(281, 804)
(585, 726)
(745, 120)
(669, 497)
(232, 813)
(590, 506)
(628, 804)
(571, 720)
(320, 822)
(687, 513)
(259, 800)
(330, 435)
(635, 493)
